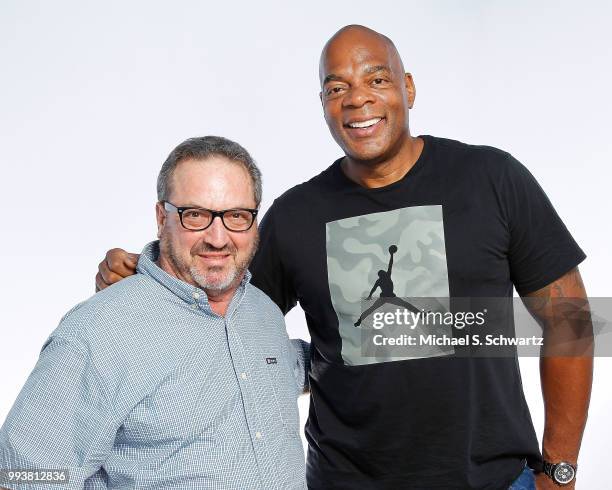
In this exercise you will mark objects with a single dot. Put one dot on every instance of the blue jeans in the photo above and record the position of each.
(525, 481)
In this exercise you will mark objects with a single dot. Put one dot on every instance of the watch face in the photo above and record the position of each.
(564, 473)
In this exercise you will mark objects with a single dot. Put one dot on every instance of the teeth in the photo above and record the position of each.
(365, 124)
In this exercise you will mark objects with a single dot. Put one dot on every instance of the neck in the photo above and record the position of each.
(386, 170)
(218, 300)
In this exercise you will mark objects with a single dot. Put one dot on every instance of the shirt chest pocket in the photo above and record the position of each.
(281, 387)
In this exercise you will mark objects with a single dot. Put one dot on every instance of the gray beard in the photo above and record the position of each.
(216, 286)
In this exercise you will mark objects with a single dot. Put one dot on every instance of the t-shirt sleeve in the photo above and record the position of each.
(541, 249)
(60, 420)
(269, 273)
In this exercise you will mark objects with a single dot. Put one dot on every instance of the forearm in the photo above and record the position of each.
(566, 363)
(566, 389)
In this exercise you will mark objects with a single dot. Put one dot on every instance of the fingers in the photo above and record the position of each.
(100, 284)
(117, 264)
(121, 262)
(105, 276)
(133, 260)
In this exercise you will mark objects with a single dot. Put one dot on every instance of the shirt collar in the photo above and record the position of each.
(193, 295)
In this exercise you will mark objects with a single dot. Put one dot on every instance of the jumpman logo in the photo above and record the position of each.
(387, 295)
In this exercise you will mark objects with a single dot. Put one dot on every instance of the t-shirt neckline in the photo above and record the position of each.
(421, 160)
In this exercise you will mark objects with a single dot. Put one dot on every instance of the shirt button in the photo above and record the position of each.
(194, 306)
(258, 435)
(243, 375)
(196, 295)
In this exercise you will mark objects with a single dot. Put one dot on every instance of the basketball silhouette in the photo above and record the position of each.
(392, 249)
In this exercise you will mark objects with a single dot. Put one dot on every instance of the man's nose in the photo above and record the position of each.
(358, 96)
(216, 233)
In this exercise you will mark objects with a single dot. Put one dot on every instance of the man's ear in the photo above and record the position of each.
(410, 89)
(321, 98)
(160, 214)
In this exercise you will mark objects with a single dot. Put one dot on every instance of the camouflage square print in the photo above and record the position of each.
(380, 262)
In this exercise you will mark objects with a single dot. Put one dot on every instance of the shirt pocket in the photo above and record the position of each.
(283, 387)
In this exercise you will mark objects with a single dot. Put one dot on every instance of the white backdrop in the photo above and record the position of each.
(95, 95)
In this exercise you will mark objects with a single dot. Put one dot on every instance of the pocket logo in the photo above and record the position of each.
(271, 360)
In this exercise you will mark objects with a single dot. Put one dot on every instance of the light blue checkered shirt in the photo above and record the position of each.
(143, 386)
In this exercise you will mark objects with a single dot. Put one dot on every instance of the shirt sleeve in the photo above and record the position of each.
(269, 273)
(541, 249)
(301, 368)
(60, 420)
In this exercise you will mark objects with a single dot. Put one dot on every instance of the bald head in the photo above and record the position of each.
(353, 38)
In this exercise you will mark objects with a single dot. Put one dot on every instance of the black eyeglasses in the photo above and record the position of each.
(198, 219)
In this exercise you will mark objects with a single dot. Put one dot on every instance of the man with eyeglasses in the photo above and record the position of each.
(183, 375)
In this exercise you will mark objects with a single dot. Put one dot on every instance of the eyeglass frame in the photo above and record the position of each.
(181, 209)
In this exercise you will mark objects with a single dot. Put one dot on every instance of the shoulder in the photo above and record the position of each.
(263, 311)
(115, 325)
(325, 181)
(449, 144)
(470, 153)
(131, 327)
(104, 309)
(471, 161)
(261, 302)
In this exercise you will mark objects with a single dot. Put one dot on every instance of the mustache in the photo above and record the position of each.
(207, 247)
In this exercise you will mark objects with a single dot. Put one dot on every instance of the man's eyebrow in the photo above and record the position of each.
(373, 69)
(332, 78)
(189, 205)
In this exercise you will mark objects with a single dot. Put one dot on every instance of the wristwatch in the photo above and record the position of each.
(562, 473)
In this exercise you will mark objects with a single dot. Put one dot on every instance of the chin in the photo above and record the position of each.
(366, 151)
(214, 278)
(366, 155)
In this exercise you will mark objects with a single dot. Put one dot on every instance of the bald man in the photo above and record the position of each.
(465, 221)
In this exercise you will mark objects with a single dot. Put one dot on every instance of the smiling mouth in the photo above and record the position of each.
(364, 124)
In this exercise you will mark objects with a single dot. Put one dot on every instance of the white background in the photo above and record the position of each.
(95, 95)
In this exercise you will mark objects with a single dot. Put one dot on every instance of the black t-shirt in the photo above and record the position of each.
(465, 221)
